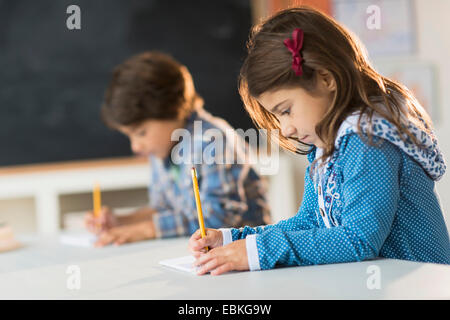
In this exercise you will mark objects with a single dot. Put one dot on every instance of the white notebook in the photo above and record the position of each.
(78, 240)
(181, 263)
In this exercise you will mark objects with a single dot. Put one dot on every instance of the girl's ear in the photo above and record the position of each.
(326, 79)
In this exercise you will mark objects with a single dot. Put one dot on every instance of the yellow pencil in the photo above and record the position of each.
(199, 204)
(97, 201)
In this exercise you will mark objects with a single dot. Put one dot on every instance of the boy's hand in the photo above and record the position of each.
(125, 234)
(233, 256)
(212, 240)
(105, 221)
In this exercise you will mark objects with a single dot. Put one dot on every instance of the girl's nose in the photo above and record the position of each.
(288, 130)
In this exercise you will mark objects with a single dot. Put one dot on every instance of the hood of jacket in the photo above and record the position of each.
(428, 155)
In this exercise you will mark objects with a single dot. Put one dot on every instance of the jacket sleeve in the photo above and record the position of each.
(303, 220)
(370, 193)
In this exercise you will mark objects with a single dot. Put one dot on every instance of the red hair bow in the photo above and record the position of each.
(294, 45)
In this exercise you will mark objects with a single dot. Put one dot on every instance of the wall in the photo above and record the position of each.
(433, 26)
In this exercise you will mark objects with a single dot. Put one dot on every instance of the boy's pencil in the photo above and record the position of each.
(199, 204)
(97, 201)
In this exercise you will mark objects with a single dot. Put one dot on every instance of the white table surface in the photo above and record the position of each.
(132, 271)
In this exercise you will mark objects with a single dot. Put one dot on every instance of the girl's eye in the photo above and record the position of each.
(141, 133)
(286, 112)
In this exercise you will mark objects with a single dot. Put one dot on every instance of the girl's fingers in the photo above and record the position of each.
(210, 265)
(205, 257)
(195, 251)
(202, 259)
(217, 261)
(210, 239)
(226, 267)
(192, 245)
(195, 236)
(198, 234)
(198, 244)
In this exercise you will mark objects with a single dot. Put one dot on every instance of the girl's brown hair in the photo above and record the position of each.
(150, 85)
(327, 46)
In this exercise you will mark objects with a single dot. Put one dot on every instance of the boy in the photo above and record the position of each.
(151, 95)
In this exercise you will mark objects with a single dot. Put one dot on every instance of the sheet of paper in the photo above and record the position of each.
(78, 240)
(181, 263)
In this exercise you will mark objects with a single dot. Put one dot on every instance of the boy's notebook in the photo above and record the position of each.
(78, 240)
(181, 263)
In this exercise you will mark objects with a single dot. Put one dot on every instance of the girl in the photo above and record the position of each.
(150, 96)
(369, 188)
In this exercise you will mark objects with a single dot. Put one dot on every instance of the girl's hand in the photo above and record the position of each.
(125, 234)
(105, 221)
(233, 256)
(212, 240)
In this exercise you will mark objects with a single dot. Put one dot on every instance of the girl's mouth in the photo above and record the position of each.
(303, 138)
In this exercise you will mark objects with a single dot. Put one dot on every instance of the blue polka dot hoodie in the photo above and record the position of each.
(377, 201)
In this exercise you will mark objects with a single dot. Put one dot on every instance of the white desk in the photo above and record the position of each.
(38, 271)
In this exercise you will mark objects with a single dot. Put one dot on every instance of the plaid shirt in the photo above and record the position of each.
(232, 195)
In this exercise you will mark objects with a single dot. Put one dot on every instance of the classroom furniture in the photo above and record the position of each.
(43, 267)
(45, 183)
